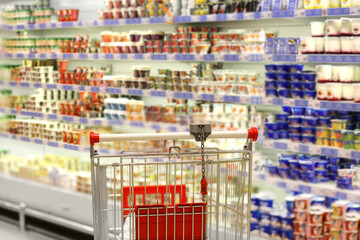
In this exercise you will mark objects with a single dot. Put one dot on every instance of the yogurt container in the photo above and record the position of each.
(346, 45)
(333, 27)
(317, 29)
(308, 45)
(346, 26)
(324, 73)
(333, 91)
(332, 45)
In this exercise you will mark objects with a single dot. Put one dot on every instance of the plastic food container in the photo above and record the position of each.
(298, 111)
(284, 93)
(294, 164)
(106, 36)
(271, 75)
(308, 131)
(307, 165)
(309, 121)
(272, 135)
(283, 84)
(271, 67)
(295, 137)
(284, 162)
(271, 126)
(272, 170)
(295, 121)
(296, 85)
(333, 27)
(322, 132)
(309, 76)
(338, 124)
(295, 130)
(339, 143)
(296, 76)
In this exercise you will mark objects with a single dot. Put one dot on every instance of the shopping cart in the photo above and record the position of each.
(174, 192)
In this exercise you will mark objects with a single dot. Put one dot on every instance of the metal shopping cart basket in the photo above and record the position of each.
(173, 193)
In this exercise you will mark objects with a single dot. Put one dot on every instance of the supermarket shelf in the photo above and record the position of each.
(323, 189)
(349, 106)
(301, 13)
(97, 121)
(287, 145)
(59, 203)
(311, 58)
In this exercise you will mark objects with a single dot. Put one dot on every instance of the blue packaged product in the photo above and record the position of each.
(321, 112)
(286, 109)
(308, 139)
(284, 162)
(290, 205)
(270, 48)
(313, 158)
(343, 113)
(308, 86)
(270, 84)
(283, 125)
(282, 77)
(309, 95)
(296, 85)
(295, 121)
(272, 170)
(309, 111)
(355, 161)
(271, 75)
(282, 85)
(265, 230)
(276, 233)
(296, 68)
(333, 168)
(285, 68)
(309, 76)
(271, 92)
(344, 183)
(294, 164)
(334, 160)
(317, 201)
(295, 137)
(288, 234)
(287, 221)
(255, 202)
(266, 204)
(308, 176)
(321, 174)
(276, 219)
(283, 134)
(265, 218)
(255, 216)
(308, 131)
(307, 165)
(353, 207)
(321, 165)
(284, 172)
(295, 77)
(329, 201)
(272, 135)
(271, 67)
(297, 94)
(295, 130)
(292, 47)
(272, 126)
(282, 117)
(300, 111)
(332, 176)
(284, 93)
(309, 121)
(255, 228)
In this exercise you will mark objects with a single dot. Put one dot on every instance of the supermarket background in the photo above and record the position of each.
(291, 69)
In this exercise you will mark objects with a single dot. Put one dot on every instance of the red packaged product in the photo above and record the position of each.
(316, 230)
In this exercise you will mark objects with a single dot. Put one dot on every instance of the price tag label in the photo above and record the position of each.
(231, 16)
(249, 15)
(266, 14)
(171, 57)
(293, 147)
(318, 190)
(76, 56)
(195, 18)
(146, 56)
(198, 57)
(219, 57)
(211, 18)
(299, 13)
(145, 20)
(102, 56)
(289, 102)
(313, 149)
(301, 58)
(314, 104)
(344, 153)
(131, 56)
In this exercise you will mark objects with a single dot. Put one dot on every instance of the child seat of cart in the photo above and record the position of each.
(156, 221)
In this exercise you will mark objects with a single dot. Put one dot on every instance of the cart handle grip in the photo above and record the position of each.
(251, 134)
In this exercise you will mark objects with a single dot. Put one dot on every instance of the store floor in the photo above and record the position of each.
(12, 232)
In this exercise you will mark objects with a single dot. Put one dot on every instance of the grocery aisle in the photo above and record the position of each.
(10, 231)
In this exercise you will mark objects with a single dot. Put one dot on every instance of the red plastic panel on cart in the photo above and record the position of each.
(152, 221)
(161, 190)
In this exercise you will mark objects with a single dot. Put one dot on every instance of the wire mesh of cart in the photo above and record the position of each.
(174, 192)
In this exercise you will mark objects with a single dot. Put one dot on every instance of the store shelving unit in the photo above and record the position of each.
(77, 207)
(322, 189)
(272, 101)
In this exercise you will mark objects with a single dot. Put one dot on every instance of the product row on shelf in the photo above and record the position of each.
(177, 11)
(322, 127)
(185, 40)
(304, 216)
